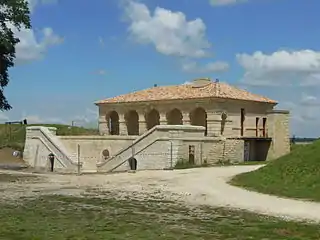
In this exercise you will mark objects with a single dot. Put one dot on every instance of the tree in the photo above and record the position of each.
(13, 13)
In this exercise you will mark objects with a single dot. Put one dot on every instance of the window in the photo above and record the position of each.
(242, 121)
(191, 154)
(257, 127)
(264, 123)
(105, 154)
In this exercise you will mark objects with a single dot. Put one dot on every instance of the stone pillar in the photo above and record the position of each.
(103, 125)
(122, 125)
(142, 123)
(278, 130)
(186, 118)
(163, 118)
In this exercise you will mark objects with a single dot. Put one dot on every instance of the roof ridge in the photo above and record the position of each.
(188, 91)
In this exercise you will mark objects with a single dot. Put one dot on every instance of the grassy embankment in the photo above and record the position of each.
(13, 136)
(296, 175)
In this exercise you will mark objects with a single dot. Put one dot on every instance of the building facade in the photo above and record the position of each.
(223, 110)
(203, 122)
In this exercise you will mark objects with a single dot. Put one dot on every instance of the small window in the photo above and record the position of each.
(242, 121)
(106, 154)
(264, 125)
(257, 127)
(191, 154)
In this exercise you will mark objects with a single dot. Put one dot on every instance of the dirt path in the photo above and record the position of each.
(194, 186)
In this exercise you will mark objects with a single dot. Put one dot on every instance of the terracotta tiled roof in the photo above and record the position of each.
(188, 91)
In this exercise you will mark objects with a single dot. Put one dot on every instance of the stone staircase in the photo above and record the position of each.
(138, 145)
(49, 141)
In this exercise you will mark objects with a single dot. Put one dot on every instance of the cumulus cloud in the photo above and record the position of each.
(31, 47)
(194, 67)
(281, 67)
(34, 3)
(219, 3)
(171, 33)
(305, 117)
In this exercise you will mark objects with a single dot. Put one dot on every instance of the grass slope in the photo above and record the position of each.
(296, 175)
(13, 136)
(74, 218)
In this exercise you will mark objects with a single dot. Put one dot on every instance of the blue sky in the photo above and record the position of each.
(80, 51)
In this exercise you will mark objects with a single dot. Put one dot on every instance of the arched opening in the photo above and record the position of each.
(113, 123)
(152, 118)
(133, 163)
(198, 117)
(105, 154)
(174, 117)
(132, 121)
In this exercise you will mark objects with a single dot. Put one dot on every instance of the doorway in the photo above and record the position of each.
(133, 163)
(191, 154)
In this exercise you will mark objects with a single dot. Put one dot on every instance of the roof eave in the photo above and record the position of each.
(177, 99)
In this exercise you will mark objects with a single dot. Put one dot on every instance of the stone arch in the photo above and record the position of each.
(198, 117)
(132, 122)
(152, 118)
(113, 123)
(174, 117)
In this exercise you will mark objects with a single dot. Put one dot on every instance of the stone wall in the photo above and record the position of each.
(278, 125)
(167, 146)
(91, 147)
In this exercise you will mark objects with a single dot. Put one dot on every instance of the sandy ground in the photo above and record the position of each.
(193, 186)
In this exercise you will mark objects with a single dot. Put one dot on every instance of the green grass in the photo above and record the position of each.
(296, 175)
(13, 136)
(75, 218)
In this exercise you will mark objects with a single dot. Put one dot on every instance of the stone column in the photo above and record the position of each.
(122, 125)
(186, 118)
(142, 123)
(163, 118)
(103, 125)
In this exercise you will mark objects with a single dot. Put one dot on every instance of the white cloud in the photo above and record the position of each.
(100, 72)
(29, 48)
(305, 117)
(34, 3)
(220, 3)
(193, 67)
(170, 32)
(281, 67)
(310, 100)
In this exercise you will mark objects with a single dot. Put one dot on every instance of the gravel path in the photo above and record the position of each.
(194, 186)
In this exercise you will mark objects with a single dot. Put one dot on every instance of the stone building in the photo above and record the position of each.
(201, 122)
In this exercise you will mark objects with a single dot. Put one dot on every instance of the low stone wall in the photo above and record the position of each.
(160, 149)
(91, 147)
